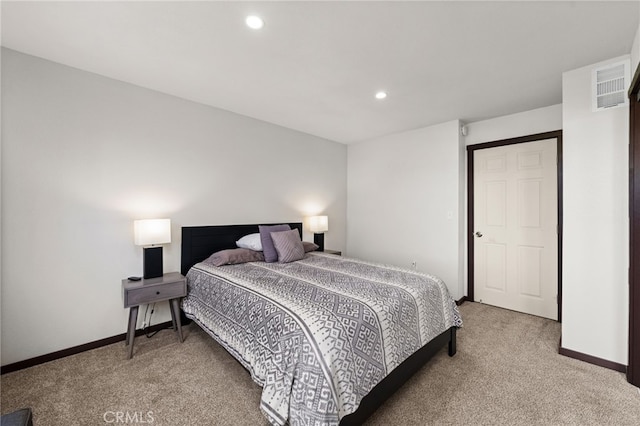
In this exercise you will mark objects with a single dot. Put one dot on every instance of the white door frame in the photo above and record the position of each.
(470, 205)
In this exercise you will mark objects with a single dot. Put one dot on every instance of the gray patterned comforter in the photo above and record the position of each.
(319, 333)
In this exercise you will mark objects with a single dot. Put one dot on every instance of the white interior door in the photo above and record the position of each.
(516, 233)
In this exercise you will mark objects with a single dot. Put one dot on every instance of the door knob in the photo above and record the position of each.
(478, 234)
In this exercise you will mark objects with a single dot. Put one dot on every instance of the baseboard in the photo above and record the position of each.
(20, 365)
(592, 359)
(461, 300)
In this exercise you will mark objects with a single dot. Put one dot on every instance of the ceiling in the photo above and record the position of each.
(315, 66)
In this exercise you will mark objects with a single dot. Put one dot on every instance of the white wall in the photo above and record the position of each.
(526, 123)
(635, 52)
(83, 156)
(408, 182)
(404, 201)
(596, 237)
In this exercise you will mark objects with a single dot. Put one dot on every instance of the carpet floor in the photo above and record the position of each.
(507, 372)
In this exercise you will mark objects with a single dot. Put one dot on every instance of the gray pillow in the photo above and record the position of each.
(234, 256)
(288, 245)
(309, 246)
(270, 253)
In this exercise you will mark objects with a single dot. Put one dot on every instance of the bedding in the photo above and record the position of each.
(308, 246)
(318, 333)
(234, 256)
(251, 242)
(269, 251)
(288, 245)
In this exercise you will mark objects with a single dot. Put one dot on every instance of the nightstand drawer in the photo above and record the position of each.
(155, 293)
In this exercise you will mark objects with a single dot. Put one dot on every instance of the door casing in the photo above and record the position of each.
(470, 204)
(633, 363)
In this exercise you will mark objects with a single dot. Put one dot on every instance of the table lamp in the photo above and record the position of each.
(149, 232)
(319, 225)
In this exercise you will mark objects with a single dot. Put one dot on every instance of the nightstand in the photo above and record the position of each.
(336, 252)
(171, 287)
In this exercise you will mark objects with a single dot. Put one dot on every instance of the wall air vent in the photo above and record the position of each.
(610, 84)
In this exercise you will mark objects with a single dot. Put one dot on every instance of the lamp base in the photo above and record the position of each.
(319, 240)
(152, 262)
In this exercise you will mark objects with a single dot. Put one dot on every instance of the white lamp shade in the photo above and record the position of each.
(152, 231)
(318, 224)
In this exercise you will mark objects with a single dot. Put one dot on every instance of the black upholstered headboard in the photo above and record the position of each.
(199, 242)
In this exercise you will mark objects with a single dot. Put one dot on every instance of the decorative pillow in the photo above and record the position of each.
(270, 253)
(234, 256)
(288, 245)
(251, 242)
(308, 246)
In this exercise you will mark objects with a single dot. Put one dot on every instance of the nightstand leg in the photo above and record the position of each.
(131, 330)
(175, 316)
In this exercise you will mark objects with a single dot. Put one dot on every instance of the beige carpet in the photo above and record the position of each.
(506, 372)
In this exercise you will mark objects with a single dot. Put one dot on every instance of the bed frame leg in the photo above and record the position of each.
(452, 342)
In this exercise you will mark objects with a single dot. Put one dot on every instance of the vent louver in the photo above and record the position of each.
(610, 85)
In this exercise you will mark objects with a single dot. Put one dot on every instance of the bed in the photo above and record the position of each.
(328, 338)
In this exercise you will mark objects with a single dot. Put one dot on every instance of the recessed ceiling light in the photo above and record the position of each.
(254, 22)
(381, 95)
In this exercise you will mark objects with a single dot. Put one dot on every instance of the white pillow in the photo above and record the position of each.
(251, 242)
